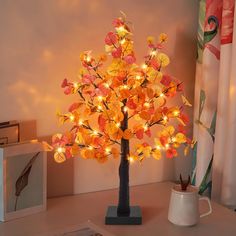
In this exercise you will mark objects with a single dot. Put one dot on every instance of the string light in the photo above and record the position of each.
(173, 139)
(146, 104)
(121, 28)
(122, 41)
(108, 150)
(125, 86)
(176, 113)
(138, 77)
(153, 53)
(162, 95)
(145, 127)
(106, 85)
(88, 58)
(80, 122)
(95, 132)
(165, 118)
(100, 98)
(118, 124)
(158, 147)
(99, 108)
(167, 146)
(72, 117)
(144, 66)
(130, 159)
(125, 109)
(76, 85)
(60, 149)
(90, 147)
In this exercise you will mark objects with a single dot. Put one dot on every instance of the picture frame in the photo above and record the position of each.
(9, 132)
(22, 180)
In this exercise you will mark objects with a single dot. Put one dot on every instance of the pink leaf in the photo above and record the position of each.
(129, 59)
(111, 38)
(166, 79)
(64, 83)
(139, 133)
(117, 52)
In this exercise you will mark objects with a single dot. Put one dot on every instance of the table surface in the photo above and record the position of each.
(153, 199)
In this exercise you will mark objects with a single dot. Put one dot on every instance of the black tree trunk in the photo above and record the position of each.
(123, 204)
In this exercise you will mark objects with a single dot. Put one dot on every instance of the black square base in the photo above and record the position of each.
(135, 217)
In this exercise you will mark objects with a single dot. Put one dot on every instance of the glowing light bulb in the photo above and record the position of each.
(106, 85)
(176, 113)
(121, 28)
(125, 109)
(118, 124)
(167, 145)
(72, 117)
(153, 53)
(162, 95)
(80, 122)
(144, 66)
(173, 139)
(122, 41)
(100, 98)
(130, 159)
(90, 147)
(95, 132)
(145, 127)
(88, 58)
(158, 147)
(76, 85)
(99, 108)
(165, 118)
(138, 77)
(108, 150)
(146, 104)
(60, 149)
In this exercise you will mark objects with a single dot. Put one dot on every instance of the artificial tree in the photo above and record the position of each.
(120, 101)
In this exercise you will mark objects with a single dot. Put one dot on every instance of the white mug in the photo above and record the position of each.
(184, 206)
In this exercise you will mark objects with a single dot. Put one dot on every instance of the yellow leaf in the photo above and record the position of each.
(163, 59)
(180, 138)
(185, 101)
(163, 37)
(156, 154)
(59, 157)
(127, 134)
(150, 39)
(170, 129)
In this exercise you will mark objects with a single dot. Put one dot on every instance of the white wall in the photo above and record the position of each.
(40, 43)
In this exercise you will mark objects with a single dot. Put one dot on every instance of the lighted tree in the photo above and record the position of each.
(120, 101)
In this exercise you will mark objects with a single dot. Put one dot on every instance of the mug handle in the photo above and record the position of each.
(209, 204)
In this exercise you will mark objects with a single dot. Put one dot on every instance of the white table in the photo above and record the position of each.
(153, 198)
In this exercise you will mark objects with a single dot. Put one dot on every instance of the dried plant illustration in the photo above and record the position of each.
(22, 180)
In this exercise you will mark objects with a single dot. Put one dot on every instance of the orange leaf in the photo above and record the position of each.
(127, 134)
(115, 152)
(145, 115)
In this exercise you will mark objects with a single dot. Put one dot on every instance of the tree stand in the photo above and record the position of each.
(123, 214)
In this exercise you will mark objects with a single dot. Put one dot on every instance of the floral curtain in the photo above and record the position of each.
(214, 162)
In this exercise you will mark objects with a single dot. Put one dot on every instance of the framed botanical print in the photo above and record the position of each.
(22, 180)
